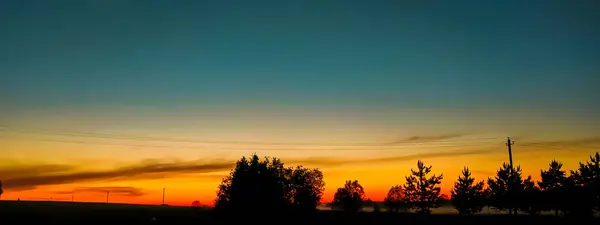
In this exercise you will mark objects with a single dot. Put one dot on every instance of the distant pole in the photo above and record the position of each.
(107, 193)
(72, 197)
(163, 197)
(509, 143)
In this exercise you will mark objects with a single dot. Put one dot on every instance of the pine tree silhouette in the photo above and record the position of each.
(551, 184)
(422, 192)
(467, 196)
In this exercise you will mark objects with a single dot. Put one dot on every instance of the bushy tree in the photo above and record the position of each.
(307, 187)
(422, 192)
(467, 196)
(551, 185)
(395, 199)
(504, 189)
(269, 186)
(349, 198)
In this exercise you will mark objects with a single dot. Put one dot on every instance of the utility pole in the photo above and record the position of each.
(72, 197)
(163, 197)
(509, 143)
(107, 193)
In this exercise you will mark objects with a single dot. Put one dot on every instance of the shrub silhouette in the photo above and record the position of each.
(349, 198)
(421, 192)
(266, 185)
(395, 199)
(467, 196)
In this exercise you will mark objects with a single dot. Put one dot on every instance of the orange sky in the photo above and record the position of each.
(83, 153)
(82, 160)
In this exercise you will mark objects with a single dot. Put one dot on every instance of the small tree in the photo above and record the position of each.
(349, 198)
(467, 196)
(552, 181)
(504, 188)
(395, 199)
(422, 192)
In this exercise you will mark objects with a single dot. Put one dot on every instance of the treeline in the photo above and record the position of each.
(256, 185)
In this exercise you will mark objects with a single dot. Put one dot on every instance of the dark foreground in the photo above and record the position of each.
(114, 214)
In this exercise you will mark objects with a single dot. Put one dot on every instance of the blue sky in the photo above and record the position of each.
(305, 54)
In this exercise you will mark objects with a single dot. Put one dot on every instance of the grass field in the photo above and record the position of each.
(25, 212)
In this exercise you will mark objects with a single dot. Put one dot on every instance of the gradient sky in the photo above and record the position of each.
(133, 96)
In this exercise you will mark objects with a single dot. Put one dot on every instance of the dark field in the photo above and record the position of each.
(59, 213)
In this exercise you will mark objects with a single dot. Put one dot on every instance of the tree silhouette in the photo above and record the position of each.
(467, 196)
(269, 186)
(196, 203)
(504, 189)
(422, 192)
(349, 198)
(395, 199)
(307, 187)
(587, 179)
(551, 184)
(1, 191)
(531, 200)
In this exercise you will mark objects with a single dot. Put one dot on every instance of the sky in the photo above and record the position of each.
(132, 96)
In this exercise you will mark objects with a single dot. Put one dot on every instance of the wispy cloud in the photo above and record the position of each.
(583, 142)
(149, 169)
(432, 138)
(322, 161)
(115, 190)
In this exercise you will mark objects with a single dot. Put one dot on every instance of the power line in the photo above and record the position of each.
(340, 148)
(199, 141)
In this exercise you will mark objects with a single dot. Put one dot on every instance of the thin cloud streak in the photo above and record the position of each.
(321, 161)
(146, 170)
(114, 190)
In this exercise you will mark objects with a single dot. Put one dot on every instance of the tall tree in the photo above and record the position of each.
(395, 198)
(504, 189)
(1, 191)
(349, 198)
(551, 184)
(467, 196)
(307, 187)
(588, 177)
(423, 192)
(267, 185)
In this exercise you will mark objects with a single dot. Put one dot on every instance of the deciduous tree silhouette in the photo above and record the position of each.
(505, 188)
(551, 184)
(1, 191)
(255, 185)
(307, 187)
(422, 192)
(349, 198)
(269, 186)
(467, 196)
(395, 199)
